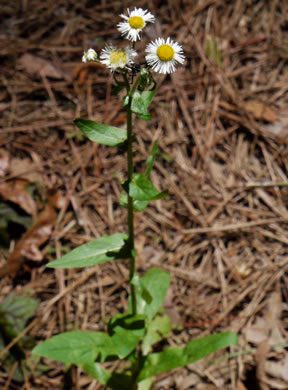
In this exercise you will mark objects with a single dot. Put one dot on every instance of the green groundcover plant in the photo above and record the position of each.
(131, 336)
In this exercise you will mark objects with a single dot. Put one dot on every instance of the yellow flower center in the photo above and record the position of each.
(165, 53)
(118, 57)
(136, 22)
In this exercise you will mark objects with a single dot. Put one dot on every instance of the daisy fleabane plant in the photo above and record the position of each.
(136, 334)
(163, 55)
(134, 23)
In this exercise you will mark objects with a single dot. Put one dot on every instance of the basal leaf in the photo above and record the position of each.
(96, 371)
(78, 347)
(113, 380)
(95, 252)
(103, 134)
(126, 332)
(157, 363)
(199, 348)
(141, 188)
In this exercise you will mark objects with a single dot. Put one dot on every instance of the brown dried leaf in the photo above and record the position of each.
(57, 200)
(28, 245)
(260, 111)
(278, 369)
(205, 386)
(240, 386)
(279, 129)
(26, 169)
(272, 318)
(260, 358)
(4, 162)
(15, 191)
(256, 333)
(267, 326)
(37, 66)
(285, 369)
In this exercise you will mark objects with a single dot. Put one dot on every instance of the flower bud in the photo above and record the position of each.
(89, 56)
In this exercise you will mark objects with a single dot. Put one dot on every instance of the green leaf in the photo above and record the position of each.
(95, 252)
(171, 358)
(96, 371)
(157, 363)
(126, 332)
(150, 160)
(145, 385)
(158, 329)
(103, 134)
(138, 205)
(138, 106)
(140, 103)
(77, 347)
(199, 348)
(151, 291)
(141, 188)
(147, 96)
(15, 311)
(113, 380)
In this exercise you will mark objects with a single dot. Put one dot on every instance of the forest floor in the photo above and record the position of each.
(221, 123)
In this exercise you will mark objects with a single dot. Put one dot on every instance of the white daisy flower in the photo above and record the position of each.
(115, 58)
(134, 23)
(162, 56)
(89, 56)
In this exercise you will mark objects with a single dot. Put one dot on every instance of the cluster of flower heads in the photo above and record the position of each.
(161, 55)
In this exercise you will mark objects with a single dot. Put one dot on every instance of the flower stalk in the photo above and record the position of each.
(130, 207)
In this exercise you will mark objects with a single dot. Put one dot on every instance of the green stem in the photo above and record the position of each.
(130, 206)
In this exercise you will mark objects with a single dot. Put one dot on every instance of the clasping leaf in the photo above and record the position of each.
(103, 134)
(141, 102)
(95, 252)
(141, 188)
(140, 205)
(151, 291)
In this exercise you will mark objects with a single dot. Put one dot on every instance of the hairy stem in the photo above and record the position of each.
(130, 206)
